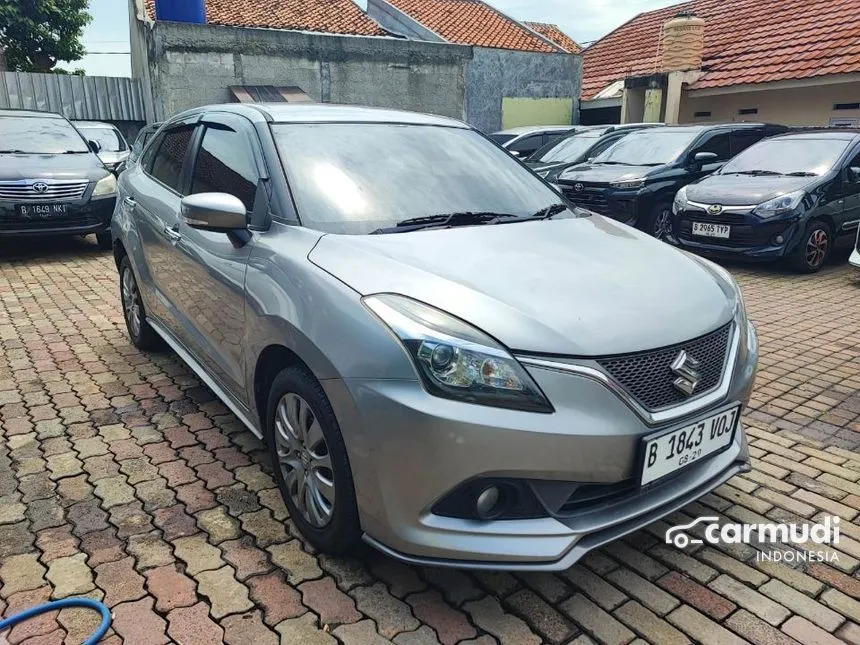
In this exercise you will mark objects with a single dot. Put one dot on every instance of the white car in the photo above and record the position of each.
(855, 254)
(523, 141)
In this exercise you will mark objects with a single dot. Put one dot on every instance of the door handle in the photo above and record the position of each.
(172, 234)
(128, 201)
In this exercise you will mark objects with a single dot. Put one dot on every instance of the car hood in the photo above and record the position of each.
(604, 173)
(76, 166)
(742, 190)
(579, 287)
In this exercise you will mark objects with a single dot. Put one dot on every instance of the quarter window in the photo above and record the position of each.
(527, 145)
(167, 164)
(225, 164)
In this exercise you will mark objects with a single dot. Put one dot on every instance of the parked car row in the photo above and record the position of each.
(738, 190)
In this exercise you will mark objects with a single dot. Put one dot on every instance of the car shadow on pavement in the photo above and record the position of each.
(61, 248)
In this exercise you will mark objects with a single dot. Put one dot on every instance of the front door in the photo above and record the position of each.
(851, 211)
(210, 284)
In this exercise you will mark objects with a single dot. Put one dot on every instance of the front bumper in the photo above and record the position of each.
(751, 237)
(408, 450)
(83, 217)
(621, 205)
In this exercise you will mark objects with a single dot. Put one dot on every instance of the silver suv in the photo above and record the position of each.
(444, 358)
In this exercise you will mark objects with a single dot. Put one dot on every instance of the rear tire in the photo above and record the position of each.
(105, 241)
(659, 221)
(141, 334)
(814, 248)
(310, 461)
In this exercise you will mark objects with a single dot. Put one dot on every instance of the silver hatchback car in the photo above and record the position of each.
(444, 358)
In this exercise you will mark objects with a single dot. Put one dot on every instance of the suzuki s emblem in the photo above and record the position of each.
(687, 369)
(578, 187)
(40, 187)
(715, 209)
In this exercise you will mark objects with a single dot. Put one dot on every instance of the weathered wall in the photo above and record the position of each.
(191, 65)
(792, 106)
(494, 74)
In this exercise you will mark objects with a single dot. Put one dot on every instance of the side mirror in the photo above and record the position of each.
(515, 153)
(701, 158)
(854, 174)
(218, 212)
(95, 146)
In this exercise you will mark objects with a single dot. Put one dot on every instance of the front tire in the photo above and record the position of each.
(141, 334)
(814, 248)
(659, 221)
(310, 461)
(105, 241)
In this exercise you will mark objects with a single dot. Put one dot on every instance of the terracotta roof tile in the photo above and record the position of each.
(330, 16)
(472, 22)
(746, 41)
(556, 35)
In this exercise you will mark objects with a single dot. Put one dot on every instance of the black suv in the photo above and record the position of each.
(789, 197)
(635, 180)
(51, 181)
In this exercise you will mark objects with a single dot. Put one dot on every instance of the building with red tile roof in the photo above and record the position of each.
(556, 35)
(327, 16)
(796, 61)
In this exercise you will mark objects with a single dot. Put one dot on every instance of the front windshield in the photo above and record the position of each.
(649, 147)
(788, 156)
(39, 135)
(108, 138)
(567, 150)
(355, 178)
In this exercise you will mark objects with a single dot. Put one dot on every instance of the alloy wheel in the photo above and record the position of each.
(304, 460)
(816, 248)
(663, 224)
(131, 302)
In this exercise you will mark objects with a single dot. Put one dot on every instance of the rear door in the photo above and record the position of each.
(154, 194)
(851, 211)
(210, 281)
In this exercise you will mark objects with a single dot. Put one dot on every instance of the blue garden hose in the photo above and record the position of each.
(88, 603)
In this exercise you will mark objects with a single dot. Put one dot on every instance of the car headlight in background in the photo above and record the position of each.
(680, 202)
(455, 360)
(105, 187)
(625, 184)
(780, 205)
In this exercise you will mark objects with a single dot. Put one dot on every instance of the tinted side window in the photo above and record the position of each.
(225, 164)
(167, 163)
(527, 145)
(743, 140)
(602, 145)
(719, 144)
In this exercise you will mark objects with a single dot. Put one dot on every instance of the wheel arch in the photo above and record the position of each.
(270, 362)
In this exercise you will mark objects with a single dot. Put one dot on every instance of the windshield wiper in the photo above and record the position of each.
(447, 220)
(755, 173)
(13, 152)
(550, 211)
(801, 173)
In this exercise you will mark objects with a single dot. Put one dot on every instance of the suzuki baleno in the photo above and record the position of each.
(444, 358)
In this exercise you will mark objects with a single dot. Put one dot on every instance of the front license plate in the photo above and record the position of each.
(679, 448)
(704, 229)
(41, 211)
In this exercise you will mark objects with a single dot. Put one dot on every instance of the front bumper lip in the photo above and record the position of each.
(95, 213)
(854, 260)
(583, 543)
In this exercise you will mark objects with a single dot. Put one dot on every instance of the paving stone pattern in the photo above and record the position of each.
(123, 478)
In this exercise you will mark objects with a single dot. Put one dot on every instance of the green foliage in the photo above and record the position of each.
(37, 33)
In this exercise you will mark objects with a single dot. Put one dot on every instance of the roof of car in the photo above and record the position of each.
(92, 124)
(329, 113)
(838, 135)
(525, 129)
(30, 113)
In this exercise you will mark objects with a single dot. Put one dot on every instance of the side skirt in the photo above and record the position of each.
(228, 400)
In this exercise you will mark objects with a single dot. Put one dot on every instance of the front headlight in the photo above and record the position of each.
(105, 187)
(626, 184)
(455, 360)
(780, 205)
(680, 202)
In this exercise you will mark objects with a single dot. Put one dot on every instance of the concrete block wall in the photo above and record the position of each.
(187, 65)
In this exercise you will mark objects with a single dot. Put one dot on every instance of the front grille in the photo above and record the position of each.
(726, 217)
(588, 199)
(740, 236)
(648, 376)
(587, 496)
(79, 220)
(55, 190)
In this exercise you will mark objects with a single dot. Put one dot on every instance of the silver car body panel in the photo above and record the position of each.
(540, 288)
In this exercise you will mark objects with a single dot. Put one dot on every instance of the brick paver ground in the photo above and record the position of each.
(122, 478)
